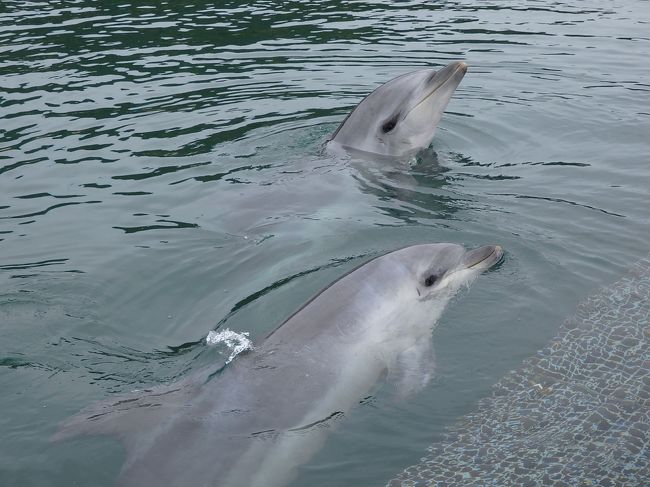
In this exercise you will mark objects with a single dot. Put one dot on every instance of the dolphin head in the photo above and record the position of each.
(438, 270)
(400, 116)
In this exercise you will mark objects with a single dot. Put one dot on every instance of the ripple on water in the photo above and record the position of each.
(162, 174)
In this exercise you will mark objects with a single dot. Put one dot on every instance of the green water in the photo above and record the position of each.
(162, 174)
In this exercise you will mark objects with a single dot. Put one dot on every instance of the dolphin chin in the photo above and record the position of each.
(400, 117)
(255, 420)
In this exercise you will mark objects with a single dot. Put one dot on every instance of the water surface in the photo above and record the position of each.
(162, 175)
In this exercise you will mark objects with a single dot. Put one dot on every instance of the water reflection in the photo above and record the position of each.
(408, 191)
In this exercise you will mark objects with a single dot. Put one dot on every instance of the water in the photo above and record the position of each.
(162, 173)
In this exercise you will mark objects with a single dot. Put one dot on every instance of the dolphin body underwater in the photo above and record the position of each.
(252, 422)
(575, 414)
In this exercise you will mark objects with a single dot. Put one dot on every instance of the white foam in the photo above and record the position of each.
(236, 342)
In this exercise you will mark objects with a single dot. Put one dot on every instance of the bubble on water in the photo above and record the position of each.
(236, 342)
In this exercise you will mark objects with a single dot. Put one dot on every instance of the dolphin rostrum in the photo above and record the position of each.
(400, 117)
(252, 422)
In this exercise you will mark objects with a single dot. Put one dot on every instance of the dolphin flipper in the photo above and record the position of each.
(413, 368)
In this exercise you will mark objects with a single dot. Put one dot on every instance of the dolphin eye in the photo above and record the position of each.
(430, 280)
(389, 125)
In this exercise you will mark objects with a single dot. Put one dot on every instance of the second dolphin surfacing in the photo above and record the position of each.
(400, 117)
(257, 419)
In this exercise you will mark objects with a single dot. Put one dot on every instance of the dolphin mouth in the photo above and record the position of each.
(441, 78)
(483, 257)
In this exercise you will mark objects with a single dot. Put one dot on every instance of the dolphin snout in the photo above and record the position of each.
(451, 69)
(453, 72)
(483, 257)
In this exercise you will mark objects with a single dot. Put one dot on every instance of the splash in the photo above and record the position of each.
(236, 342)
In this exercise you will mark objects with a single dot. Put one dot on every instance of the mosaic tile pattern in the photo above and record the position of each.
(576, 414)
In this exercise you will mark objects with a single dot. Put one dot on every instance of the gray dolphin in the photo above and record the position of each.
(400, 117)
(577, 413)
(256, 419)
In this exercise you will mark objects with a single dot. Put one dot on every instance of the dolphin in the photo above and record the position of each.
(399, 117)
(252, 422)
